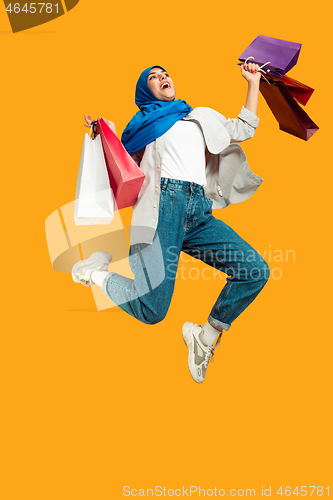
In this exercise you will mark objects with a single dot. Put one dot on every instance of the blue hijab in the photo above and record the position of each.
(154, 118)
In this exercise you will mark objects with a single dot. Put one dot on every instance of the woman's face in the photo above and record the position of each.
(161, 85)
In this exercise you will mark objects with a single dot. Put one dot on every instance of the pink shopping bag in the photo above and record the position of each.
(125, 176)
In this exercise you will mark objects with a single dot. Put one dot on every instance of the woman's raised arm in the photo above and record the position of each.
(252, 76)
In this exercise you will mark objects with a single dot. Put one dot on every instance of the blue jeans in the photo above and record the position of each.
(186, 224)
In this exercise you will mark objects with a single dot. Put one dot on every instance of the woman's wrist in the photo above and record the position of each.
(254, 84)
(252, 96)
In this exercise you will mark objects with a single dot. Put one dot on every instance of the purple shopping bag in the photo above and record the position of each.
(282, 55)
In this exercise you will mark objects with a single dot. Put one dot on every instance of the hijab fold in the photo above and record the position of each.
(154, 118)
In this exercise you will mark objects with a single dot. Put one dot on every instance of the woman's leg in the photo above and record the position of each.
(148, 296)
(215, 243)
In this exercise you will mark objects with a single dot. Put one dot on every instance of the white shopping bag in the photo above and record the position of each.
(94, 200)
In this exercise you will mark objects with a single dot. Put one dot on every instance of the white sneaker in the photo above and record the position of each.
(199, 354)
(82, 270)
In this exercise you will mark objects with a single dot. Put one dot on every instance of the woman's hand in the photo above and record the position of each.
(108, 122)
(111, 125)
(250, 72)
(88, 120)
(89, 123)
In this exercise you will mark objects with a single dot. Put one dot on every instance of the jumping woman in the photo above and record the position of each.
(191, 166)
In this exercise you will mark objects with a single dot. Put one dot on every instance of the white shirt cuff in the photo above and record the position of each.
(247, 116)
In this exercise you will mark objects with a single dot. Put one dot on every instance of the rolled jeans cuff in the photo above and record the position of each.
(105, 282)
(218, 324)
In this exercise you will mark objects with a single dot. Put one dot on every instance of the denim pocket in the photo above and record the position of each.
(173, 197)
(208, 205)
(162, 196)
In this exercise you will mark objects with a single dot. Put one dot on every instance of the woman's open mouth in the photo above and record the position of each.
(165, 85)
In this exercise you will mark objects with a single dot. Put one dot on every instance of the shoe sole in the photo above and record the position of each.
(77, 268)
(188, 339)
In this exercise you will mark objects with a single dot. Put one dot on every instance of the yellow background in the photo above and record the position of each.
(93, 401)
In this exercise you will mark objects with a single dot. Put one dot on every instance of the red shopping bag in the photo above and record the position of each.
(291, 117)
(125, 176)
(298, 90)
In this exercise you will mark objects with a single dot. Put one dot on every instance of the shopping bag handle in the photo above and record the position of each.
(92, 128)
(261, 70)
